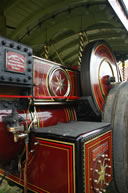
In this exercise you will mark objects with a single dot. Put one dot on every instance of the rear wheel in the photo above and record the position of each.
(116, 112)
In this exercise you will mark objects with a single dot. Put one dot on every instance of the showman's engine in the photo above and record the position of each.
(56, 123)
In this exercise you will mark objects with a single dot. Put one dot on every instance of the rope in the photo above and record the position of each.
(123, 70)
(46, 51)
(81, 47)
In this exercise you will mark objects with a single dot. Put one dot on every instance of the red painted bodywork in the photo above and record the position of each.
(50, 168)
(45, 87)
(46, 116)
(8, 148)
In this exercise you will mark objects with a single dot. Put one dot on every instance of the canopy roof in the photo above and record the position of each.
(57, 24)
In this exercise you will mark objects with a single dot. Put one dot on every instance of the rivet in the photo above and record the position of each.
(29, 69)
(6, 105)
(18, 79)
(16, 105)
(25, 49)
(18, 47)
(10, 78)
(2, 77)
(11, 45)
(3, 42)
(10, 102)
(29, 61)
(29, 54)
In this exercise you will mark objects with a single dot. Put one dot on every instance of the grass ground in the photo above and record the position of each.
(7, 188)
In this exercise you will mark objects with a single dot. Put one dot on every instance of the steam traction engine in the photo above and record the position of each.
(55, 135)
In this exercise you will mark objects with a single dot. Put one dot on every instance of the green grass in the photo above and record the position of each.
(5, 187)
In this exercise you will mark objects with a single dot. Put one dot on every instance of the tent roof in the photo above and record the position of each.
(58, 24)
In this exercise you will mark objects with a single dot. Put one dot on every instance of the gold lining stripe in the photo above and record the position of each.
(74, 171)
(98, 137)
(37, 83)
(39, 119)
(68, 172)
(34, 87)
(69, 113)
(66, 114)
(51, 140)
(75, 116)
(43, 86)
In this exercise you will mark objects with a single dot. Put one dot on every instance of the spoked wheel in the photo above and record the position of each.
(98, 72)
(59, 83)
(116, 112)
